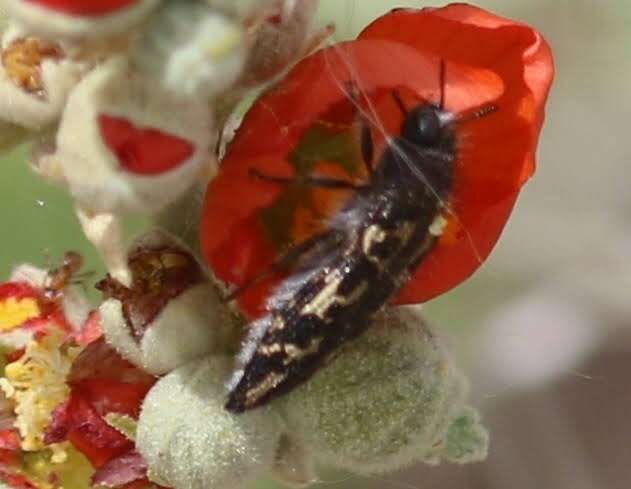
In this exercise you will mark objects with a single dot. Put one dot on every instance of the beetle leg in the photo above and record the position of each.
(366, 142)
(287, 260)
(324, 182)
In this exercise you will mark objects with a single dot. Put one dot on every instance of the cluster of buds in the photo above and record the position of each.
(126, 102)
(126, 98)
(131, 394)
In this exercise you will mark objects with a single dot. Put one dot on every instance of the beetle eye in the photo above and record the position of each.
(422, 126)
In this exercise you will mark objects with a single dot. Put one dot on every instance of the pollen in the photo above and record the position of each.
(23, 60)
(37, 384)
(14, 312)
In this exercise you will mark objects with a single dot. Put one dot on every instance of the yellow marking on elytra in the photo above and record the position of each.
(437, 228)
(269, 382)
(321, 303)
(278, 323)
(296, 353)
(269, 350)
(372, 235)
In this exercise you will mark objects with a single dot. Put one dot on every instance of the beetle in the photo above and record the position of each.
(415, 216)
(349, 271)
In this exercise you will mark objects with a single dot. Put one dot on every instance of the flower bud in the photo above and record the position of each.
(293, 466)
(11, 136)
(125, 144)
(466, 439)
(36, 77)
(37, 301)
(190, 441)
(385, 401)
(191, 49)
(77, 19)
(169, 315)
(246, 11)
(280, 40)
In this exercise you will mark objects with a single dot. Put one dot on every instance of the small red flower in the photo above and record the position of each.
(23, 306)
(127, 471)
(306, 125)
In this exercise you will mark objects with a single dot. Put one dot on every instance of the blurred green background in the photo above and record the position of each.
(571, 227)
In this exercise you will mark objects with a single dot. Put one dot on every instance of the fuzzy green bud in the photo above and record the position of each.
(386, 401)
(466, 440)
(191, 442)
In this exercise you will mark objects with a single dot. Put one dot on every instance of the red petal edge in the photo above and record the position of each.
(78, 422)
(124, 469)
(84, 7)
(143, 151)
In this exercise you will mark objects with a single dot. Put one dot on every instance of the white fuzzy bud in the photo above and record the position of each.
(191, 442)
(191, 49)
(243, 10)
(294, 466)
(36, 77)
(280, 41)
(466, 440)
(125, 144)
(170, 314)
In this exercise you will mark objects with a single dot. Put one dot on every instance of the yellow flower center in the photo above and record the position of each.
(37, 384)
(14, 313)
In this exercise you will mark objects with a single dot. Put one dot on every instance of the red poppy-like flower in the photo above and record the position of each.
(307, 125)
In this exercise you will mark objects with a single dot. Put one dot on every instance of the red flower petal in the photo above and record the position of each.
(15, 481)
(500, 150)
(15, 355)
(78, 422)
(57, 430)
(84, 7)
(124, 469)
(307, 120)
(9, 440)
(90, 331)
(10, 447)
(112, 396)
(102, 382)
(144, 151)
(18, 290)
(99, 361)
(108, 382)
